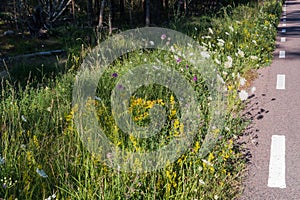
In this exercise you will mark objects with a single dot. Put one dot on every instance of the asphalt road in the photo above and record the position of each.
(274, 172)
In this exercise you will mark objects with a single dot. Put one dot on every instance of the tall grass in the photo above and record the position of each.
(42, 155)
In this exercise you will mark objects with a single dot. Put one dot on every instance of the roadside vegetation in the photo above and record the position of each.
(42, 156)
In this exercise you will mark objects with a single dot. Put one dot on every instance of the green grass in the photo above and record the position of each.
(38, 132)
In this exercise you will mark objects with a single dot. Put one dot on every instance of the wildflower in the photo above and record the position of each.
(241, 53)
(195, 78)
(227, 33)
(41, 172)
(163, 36)
(220, 42)
(228, 63)
(216, 197)
(253, 89)
(207, 162)
(151, 43)
(254, 57)
(178, 60)
(217, 61)
(186, 66)
(242, 81)
(114, 75)
(201, 182)
(205, 54)
(243, 95)
(172, 49)
(23, 118)
(254, 42)
(196, 29)
(231, 28)
(210, 31)
(119, 86)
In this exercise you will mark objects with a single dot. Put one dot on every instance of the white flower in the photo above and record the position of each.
(243, 95)
(196, 29)
(216, 197)
(253, 89)
(207, 162)
(231, 28)
(227, 33)
(241, 53)
(41, 172)
(228, 63)
(151, 43)
(23, 118)
(201, 182)
(205, 54)
(217, 61)
(242, 81)
(172, 49)
(176, 57)
(254, 42)
(220, 42)
(210, 31)
(254, 57)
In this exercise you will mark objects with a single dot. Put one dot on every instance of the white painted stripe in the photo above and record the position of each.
(284, 20)
(283, 39)
(277, 162)
(281, 54)
(284, 17)
(280, 84)
(283, 30)
(284, 24)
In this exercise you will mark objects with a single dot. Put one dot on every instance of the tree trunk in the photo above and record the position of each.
(130, 13)
(100, 24)
(110, 18)
(147, 10)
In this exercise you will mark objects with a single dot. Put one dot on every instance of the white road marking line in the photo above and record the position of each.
(281, 54)
(277, 162)
(283, 30)
(282, 39)
(280, 84)
(284, 25)
(284, 20)
(284, 17)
